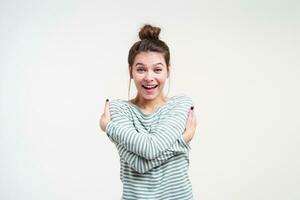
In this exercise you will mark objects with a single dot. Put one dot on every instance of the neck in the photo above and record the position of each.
(150, 104)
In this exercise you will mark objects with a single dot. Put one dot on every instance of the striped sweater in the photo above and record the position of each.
(154, 157)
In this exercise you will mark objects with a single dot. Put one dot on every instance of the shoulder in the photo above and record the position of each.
(117, 105)
(120, 109)
(183, 99)
(180, 104)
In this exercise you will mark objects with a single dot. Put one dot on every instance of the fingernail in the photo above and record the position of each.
(192, 107)
(107, 100)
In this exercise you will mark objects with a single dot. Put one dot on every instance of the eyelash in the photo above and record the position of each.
(141, 69)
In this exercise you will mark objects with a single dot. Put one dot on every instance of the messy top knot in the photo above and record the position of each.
(149, 42)
(149, 32)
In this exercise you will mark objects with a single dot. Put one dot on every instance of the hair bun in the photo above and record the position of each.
(149, 32)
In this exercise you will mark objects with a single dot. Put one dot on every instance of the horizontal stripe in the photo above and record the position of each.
(154, 158)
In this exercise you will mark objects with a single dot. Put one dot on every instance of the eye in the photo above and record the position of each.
(140, 69)
(158, 70)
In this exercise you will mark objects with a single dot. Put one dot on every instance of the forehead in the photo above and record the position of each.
(149, 58)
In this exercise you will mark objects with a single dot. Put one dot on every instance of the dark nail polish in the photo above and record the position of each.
(192, 107)
(107, 100)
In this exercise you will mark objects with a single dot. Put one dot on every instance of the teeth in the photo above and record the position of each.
(149, 87)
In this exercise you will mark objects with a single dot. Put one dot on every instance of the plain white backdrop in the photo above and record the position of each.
(60, 60)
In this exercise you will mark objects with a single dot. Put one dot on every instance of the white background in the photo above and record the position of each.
(60, 60)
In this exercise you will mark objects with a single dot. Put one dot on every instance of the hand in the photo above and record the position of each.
(105, 117)
(190, 126)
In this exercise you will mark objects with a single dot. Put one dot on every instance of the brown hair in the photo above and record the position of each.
(150, 41)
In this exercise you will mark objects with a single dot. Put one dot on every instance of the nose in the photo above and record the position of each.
(149, 76)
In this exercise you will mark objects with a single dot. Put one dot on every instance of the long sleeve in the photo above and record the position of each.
(143, 165)
(148, 144)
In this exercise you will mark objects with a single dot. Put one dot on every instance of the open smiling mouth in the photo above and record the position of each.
(149, 87)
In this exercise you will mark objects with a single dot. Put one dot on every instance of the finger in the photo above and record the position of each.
(195, 120)
(189, 120)
(192, 111)
(106, 107)
(192, 117)
(193, 114)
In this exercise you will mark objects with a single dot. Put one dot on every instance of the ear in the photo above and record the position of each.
(169, 68)
(130, 71)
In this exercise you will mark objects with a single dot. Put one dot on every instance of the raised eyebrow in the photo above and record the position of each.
(158, 64)
(153, 64)
(139, 64)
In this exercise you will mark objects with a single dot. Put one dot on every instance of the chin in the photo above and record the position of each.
(149, 97)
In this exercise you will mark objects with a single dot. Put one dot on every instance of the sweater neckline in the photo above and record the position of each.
(154, 111)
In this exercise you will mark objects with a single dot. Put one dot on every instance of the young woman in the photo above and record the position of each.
(152, 131)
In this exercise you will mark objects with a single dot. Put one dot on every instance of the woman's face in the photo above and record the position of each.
(149, 72)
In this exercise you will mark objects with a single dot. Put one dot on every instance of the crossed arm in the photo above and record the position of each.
(146, 150)
(143, 165)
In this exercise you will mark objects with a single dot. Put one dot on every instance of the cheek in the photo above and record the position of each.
(137, 80)
(162, 79)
